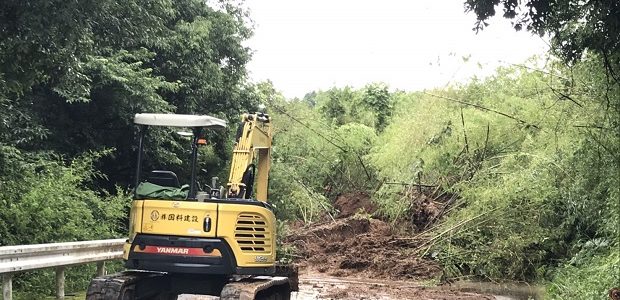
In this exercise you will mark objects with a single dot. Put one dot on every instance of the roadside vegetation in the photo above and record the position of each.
(510, 177)
(520, 168)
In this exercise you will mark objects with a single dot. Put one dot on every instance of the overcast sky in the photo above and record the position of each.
(410, 45)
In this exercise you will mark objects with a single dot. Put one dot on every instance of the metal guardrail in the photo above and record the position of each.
(15, 259)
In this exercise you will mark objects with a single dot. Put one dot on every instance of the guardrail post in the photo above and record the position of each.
(7, 286)
(60, 283)
(100, 268)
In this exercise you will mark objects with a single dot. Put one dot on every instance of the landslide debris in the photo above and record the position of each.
(357, 244)
(370, 260)
(352, 203)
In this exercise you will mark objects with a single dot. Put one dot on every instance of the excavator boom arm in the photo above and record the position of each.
(253, 142)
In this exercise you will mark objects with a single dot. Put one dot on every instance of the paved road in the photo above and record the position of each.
(325, 287)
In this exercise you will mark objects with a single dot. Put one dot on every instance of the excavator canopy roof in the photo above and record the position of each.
(175, 120)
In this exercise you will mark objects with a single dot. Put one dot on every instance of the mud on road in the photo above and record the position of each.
(320, 286)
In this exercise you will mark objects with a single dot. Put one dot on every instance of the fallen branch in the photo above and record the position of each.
(483, 108)
(459, 224)
(464, 132)
(412, 184)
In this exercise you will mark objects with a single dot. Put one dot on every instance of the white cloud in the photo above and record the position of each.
(307, 45)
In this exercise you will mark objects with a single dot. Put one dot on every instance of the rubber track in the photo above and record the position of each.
(247, 289)
(110, 287)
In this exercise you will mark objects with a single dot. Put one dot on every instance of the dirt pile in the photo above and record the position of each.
(426, 206)
(352, 203)
(369, 259)
(359, 246)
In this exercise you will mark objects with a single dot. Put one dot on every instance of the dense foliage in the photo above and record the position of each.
(73, 74)
(46, 200)
(71, 80)
(537, 190)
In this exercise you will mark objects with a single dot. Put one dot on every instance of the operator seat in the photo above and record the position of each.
(164, 178)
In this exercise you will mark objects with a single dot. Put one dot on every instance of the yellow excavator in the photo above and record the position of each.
(185, 240)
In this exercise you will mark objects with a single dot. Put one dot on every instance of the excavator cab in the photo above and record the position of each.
(196, 125)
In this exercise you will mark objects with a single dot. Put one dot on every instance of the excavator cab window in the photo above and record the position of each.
(164, 178)
(191, 127)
